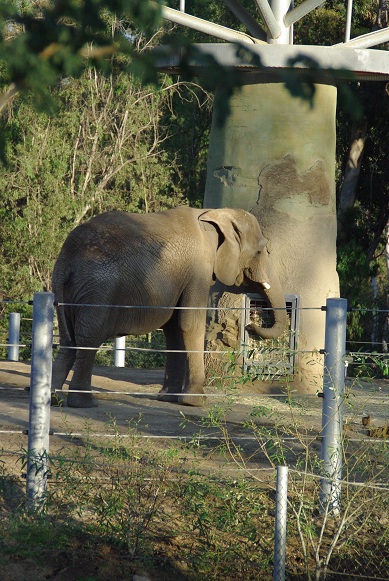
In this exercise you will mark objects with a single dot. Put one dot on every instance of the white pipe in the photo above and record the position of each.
(349, 13)
(367, 40)
(301, 10)
(268, 16)
(120, 352)
(245, 17)
(280, 8)
(206, 27)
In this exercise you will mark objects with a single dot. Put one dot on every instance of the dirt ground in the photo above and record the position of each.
(130, 396)
(126, 397)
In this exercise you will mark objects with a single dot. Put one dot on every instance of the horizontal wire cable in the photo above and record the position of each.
(151, 395)
(202, 437)
(376, 486)
(186, 308)
(320, 308)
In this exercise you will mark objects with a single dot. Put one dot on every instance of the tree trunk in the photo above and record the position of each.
(385, 338)
(351, 173)
(383, 15)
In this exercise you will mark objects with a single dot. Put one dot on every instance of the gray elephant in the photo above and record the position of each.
(160, 266)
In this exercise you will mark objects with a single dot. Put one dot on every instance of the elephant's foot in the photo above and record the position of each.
(165, 395)
(82, 400)
(57, 399)
(193, 399)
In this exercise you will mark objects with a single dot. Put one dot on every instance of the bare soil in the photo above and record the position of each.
(128, 397)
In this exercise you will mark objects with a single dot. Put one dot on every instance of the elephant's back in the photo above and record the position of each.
(114, 242)
(119, 224)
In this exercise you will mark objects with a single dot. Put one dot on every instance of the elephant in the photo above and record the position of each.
(123, 273)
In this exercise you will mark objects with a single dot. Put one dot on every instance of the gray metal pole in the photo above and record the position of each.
(280, 524)
(280, 8)
(13, 337)
(40, 388)
(245, 17)
(349, 15)
(366, 40)
(120, 352)
(271, 23)
(333, 396)
(184, 19)
(301, 10)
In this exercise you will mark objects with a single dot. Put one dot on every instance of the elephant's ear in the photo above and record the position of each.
(227, 267)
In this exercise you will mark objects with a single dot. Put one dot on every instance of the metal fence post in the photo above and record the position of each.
(40, 388)
(280, 523)
(120, 352)
(13, 337)
(333, 397)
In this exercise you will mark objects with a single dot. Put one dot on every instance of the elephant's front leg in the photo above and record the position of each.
(175, 368)
(193, 331)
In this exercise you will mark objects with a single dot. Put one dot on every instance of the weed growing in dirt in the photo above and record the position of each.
(355, 541)
(143, 506)
(128, 504)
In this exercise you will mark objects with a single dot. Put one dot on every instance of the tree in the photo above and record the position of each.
(44, 41)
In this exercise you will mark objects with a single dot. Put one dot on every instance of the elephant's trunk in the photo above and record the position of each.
(269, 282)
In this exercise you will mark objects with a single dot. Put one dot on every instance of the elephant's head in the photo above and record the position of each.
(241, 257)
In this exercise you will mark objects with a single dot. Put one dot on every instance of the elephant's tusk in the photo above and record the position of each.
(265, 285)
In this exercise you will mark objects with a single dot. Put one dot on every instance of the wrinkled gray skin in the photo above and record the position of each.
(165, 259)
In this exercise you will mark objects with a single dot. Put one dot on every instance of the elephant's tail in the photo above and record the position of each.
(65, 326)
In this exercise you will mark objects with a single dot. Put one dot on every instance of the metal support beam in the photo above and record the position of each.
(13, 337)
(206, 27)
(366, 40)
(245, 18)
(280, 524)
(279, 9)
(269, 18)
(349, 14)
(301, 10)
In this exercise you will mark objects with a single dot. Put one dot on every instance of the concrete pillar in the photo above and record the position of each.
(275, 156)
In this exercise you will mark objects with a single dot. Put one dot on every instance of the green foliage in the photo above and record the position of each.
(355, 274)
(142, 352)
(25, 311)
(51, 37)
(325, 26)
(103, 151)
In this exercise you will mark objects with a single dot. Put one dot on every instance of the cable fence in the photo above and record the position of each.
(332, 443)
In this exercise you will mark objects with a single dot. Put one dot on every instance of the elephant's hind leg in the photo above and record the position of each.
(80, 395)
(61, 367)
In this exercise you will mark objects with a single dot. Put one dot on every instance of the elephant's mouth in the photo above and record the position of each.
(249, 280)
